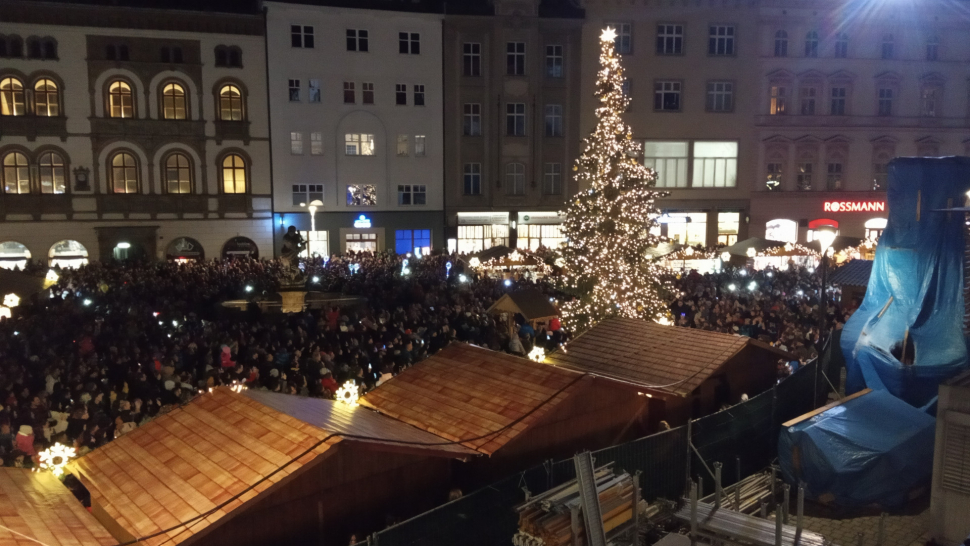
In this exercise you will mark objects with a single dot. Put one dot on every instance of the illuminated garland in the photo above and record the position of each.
(790, 249)
(607, 224)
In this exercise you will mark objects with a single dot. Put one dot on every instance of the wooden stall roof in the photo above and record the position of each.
(360, 423)
(665, 358)
(36, 508)
(852, 273)
(481, 398)
(192, 460)
(531, 304)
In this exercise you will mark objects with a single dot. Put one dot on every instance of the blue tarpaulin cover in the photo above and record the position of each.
(871, 450)
(916, 284)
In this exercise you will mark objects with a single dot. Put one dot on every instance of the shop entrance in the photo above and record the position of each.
(361, 242)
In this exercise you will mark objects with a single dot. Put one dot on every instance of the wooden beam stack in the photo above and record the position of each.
(555, 517)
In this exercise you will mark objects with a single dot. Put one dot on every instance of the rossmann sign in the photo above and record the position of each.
(854, 206)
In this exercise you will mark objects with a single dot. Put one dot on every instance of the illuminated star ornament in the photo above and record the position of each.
(56, 457)
(537, 354)
(11, 300)
(348, 393)
(608, 35)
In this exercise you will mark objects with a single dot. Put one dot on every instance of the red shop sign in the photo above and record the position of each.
(854, 206)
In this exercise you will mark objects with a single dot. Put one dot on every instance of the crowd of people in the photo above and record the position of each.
(111, 345)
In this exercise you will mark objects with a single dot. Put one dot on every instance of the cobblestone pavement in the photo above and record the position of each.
(909, 529)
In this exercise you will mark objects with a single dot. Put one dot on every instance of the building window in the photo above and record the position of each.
(12, 97)
(411, 194)
(779, 101)
(782, 230)
(933, 49)
(418, 95)
(358, 144)
(669, 161)
(472, 119)
(811, 44)
(472, 59)
(52, 173)
(515, 179)
(33, 48)
(838, 101)
(233, 174)
(120, 104)
(235, 57)
(301, 36)
(775, 172)
(552, 179)
(624, 38)
(401, 94)
(472, 183)
(515, 119)
(720, 40)
(350, 96)
(402, 145)
(781, 43)
(314, 90)
(46, 99)
(885, 101)
(173, 102)
(880, 171)
(874, 229)
(16, 173)
(229, 57)
(296, 143)
(553, 120)
(666, 96)
(420, 146)
(515, 58)
(833, 179)
(178, 174)
(804, 178)
(124, 173)
(888, 46)
(409, 43)
(294, 86)
(720, 96)
(841, 45)
(474, 238)
(50, 49)
(670, 39)
(930, 101)
(368, 90)
(361, 195)
(316, 143)
(690, 228)
(230, 103)
(304, 194)
(356, 40)
(554, 61)
(625, 87)
(715, 164)
(533, 236)
(808, 101)
(728, 224)
(406, 240)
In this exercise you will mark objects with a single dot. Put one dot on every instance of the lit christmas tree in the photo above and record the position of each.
(608, 225)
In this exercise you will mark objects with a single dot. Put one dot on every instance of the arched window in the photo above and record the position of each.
(235, 57)
(173, 102)
(16, 46)
(46, 99)
(515, 178)
(34, 50)
(13, 255)
(781, 44)
(50, 49)
(811, 44)
(67, 253)
(12, 97)
(124, 173)
(222, 56)
(52, 173)
(233, 174)
(3, 46)
(230, 103)
(110, 52)
(120, 100)
(16, 173)
(178, 174)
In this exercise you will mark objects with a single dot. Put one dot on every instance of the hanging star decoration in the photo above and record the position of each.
(11, 300)
(608, 35)
(349, 393)
(537, 354)
(56, 457)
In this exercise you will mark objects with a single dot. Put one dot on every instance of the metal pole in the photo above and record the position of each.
(882, 529)
(785, 507)
(737, 486)
(801, 510)
(700, 486)
(717, 485)
(693, 514)
(764, 510)
(822, 309)
(778, 517)
(689, 481)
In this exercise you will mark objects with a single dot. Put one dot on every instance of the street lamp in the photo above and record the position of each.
(313, 224)
(825, 235)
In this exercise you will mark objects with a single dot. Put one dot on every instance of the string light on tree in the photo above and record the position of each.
(608, 223)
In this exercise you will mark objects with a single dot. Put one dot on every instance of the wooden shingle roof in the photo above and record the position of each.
(193, 460)
(665, 358)
(36, 508)
(479, 397)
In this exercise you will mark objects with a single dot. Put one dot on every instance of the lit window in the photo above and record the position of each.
(782, 230)
(419, 145)
(46, 98)
(178, 174)
(124, 173)
(52, 173)
(358, 144)
(552, 179)
(230, 103)
(670, 39)
(356, 40)
(554, 67)
(669, 160)
(515, 58)
(728, 224)
(296, 143)
(16, 173)
(233, 174)
(406, 240)
(316, 143)
(779, 101)
(773, 179)
(120, 103)
(361, 195)
(412, 194)
(720, 40)
(804, 178)
(409, 43)
(715, 164)
(472, 183)
(402, 145)
(173, 101)
(515, 179)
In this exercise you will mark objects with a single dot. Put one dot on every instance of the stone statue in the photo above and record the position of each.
(293, 244)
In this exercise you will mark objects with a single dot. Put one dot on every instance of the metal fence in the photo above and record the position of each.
(742, 438)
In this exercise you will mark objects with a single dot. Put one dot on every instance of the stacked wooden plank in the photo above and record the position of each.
(755, 489)
(555, 518)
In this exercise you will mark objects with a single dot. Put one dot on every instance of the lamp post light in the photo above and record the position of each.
(313, 224)
(825, 235)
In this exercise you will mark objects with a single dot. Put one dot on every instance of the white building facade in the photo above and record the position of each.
(131, 144)
(356, 109)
